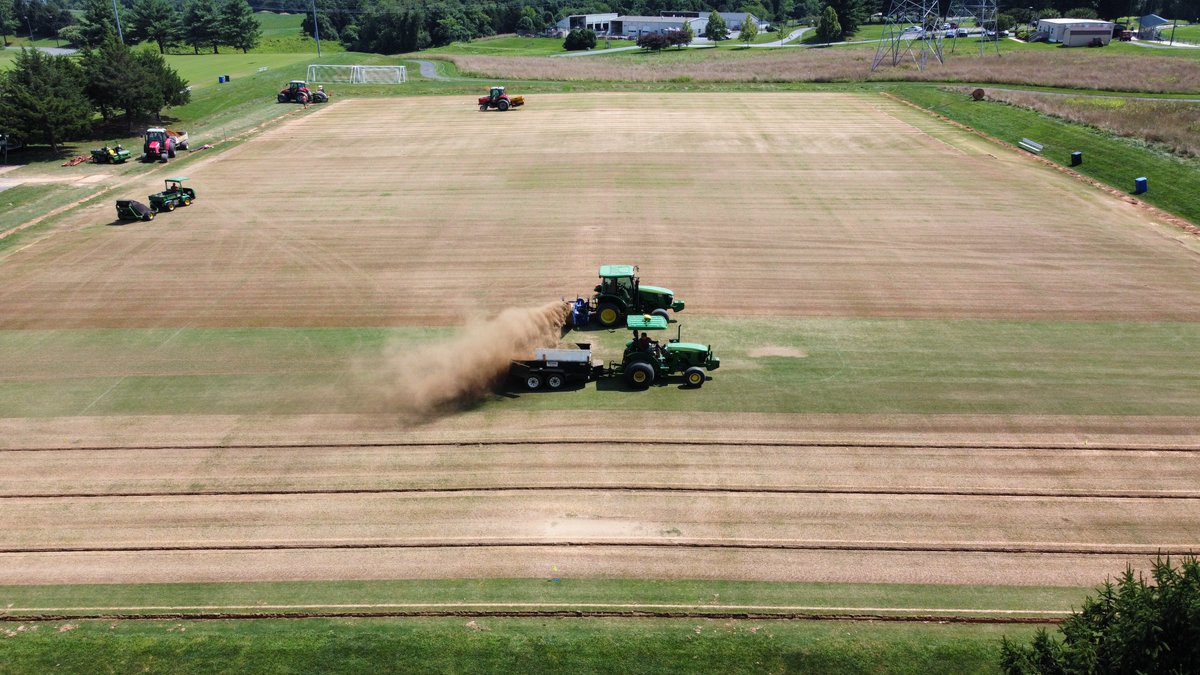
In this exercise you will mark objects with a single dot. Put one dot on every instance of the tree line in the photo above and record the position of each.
(53, 99)
(396, 26)
(198, 24)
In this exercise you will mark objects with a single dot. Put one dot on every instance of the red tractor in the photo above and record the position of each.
(297, 91)
(499, 100)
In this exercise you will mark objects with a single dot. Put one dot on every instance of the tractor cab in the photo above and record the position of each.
(495, 94)
(296, 85)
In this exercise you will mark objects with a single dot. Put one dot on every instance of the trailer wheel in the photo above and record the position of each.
(639, 375)
(661, 312)
(148, 217)
(608, 314)
(533, 381)
(555, 381)
(694, 377)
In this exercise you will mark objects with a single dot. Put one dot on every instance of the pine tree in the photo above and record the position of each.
(238, 26)
(97, 23)
(829, 28)
(41, 99)
(200, 21)
(156, 21)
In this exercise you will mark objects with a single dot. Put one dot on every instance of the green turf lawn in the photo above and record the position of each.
(487, 645)
(274, 24)
(509, 45)
(1174, 181)
(852, 366)
(710, 596)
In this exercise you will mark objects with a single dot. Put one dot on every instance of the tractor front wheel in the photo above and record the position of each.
(661, 312)
(608, 314)
(639, 375)
(694, 377)
(533, 381)
(502, 105)
(483, 108)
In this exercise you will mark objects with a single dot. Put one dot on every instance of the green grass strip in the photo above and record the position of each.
(488, 645)
(1174, 181)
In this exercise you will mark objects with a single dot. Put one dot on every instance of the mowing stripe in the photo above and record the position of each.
(475, 444)
(748, 545)
(903, 492)
(545, 605)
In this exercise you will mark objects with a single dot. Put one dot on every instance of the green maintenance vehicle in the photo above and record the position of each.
(174, 195)
(621, 293)
(113, 155)
(644, 361)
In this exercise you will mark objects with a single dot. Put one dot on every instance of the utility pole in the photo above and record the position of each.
(120, 35)
(30, 27)
(316, 26)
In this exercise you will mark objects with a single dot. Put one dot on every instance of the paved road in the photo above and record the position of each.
(428, 69)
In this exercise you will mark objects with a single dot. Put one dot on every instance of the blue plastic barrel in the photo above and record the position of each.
(1140, 185)
(220, 79)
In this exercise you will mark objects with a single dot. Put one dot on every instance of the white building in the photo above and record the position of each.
(1076, 32)
(600, 23)
(633, 26)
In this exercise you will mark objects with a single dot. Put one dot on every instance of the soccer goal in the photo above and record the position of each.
(357, 74)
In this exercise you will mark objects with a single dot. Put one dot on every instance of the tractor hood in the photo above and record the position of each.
(687, 347)
(665, 293)
(656, 290)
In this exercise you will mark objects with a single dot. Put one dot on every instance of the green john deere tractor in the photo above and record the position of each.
(114, 155)
(620, 293)
(174, 195)
(646, 360)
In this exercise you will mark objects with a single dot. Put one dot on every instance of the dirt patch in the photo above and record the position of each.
(777, 352)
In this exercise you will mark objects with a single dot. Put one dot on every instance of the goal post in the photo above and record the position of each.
(334, 74)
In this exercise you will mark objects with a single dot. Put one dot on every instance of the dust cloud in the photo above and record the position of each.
(427, 379)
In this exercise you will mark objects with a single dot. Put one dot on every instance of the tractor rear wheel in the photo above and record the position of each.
(639, 375)
(533, 381)
(661, 312)
(608, 314)
(502, 105)
(555, 381)
(694, 377)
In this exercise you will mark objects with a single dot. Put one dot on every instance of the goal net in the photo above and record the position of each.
(357, 74)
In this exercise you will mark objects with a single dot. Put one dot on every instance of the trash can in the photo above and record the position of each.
(220, 79)
(1076, 158)
(1140, 185)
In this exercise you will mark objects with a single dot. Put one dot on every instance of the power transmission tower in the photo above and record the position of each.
(983, 13)
(913, 29)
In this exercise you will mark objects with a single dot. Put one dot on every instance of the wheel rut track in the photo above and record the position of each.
(1100, 550)
(519, 614)
(1103, 447)
(667, 489)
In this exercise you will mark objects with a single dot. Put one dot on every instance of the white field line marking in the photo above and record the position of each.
(543, 605)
